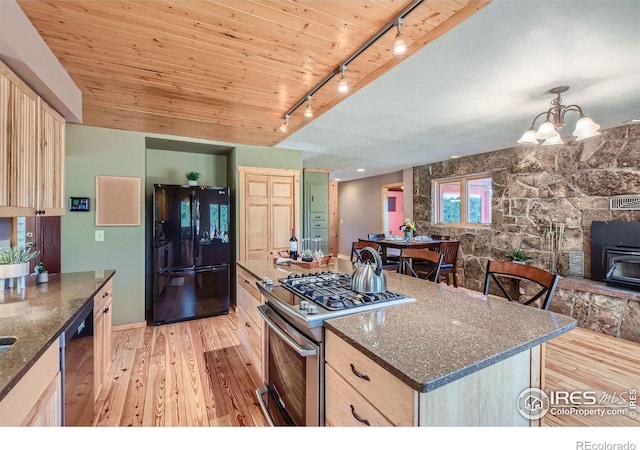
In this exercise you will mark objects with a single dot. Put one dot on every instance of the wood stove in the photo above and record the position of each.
(615, 253)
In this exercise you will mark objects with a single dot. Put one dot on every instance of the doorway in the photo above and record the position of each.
(392, 208)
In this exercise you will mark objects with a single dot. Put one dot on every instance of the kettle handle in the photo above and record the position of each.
(377, 257)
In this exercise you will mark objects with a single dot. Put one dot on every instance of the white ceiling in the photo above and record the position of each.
(478, 87)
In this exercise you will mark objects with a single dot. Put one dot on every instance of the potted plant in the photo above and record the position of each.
(42, 274)
(307, 255)
(14, 263)
(519, 256)
(192, 178)
(408, 227)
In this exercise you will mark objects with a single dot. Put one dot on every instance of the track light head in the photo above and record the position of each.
(285, 125)
(399, 45)
(343, 84)
(308, 113)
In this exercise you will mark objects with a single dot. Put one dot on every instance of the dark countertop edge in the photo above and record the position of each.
(29, 364)
(460, 373)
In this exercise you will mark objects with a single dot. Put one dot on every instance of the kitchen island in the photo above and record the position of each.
(36, 317)
(452, 357)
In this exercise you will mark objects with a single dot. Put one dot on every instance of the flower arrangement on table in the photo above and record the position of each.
(408, 227)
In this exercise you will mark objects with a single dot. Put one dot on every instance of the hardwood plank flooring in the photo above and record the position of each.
(194, 374)
(182, 374)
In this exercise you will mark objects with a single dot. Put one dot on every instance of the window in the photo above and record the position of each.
(463, 200)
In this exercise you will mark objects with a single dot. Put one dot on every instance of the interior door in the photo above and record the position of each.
(42, 233)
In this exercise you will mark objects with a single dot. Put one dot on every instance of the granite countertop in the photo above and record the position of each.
(445, 335)
(37, 315)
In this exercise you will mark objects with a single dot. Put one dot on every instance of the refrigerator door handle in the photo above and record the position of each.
(219, 268)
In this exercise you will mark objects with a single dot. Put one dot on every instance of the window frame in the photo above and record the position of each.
(462, 180)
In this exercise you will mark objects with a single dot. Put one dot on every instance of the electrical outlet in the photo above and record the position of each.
(99, 235)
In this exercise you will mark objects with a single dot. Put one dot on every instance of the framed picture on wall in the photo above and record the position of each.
(117, 201)
(391, 204)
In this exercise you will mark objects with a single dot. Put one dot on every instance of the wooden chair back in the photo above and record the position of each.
(420, 263)
(543, 279)
(357, 247)
(449, 251)
(375, 237)
(440, 237)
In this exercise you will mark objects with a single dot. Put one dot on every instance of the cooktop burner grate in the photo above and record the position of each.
(332, 290)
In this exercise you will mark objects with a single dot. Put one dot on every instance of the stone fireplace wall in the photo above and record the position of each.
(534, 186)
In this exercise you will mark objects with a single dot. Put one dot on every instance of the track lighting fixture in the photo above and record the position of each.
(285, 125)
(554, 121)
(399, 45)
(343, 84)
(399, 48)
(308, 113)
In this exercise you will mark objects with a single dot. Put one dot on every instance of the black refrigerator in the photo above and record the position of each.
(191, 252)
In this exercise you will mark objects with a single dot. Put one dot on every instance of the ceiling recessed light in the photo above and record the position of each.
(455, 156)
(360, 170)
(636, 120)
(336, 179)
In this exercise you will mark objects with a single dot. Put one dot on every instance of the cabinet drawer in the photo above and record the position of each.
(317, 226)
(343, 403)
(248, 303)
(386, 392)
(319, 217)
(250, 336)
(248, 281)
(102, 296)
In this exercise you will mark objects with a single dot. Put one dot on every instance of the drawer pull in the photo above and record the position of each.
(247, 281)
(106, 310)
(247, 324)
(105, 294)
(358, 374)
(364, 421)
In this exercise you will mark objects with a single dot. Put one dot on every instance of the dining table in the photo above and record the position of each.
(385, 244)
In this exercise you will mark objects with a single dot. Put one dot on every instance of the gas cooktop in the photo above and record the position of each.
(332, 290)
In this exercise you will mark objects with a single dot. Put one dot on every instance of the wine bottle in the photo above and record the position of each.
(293, 245)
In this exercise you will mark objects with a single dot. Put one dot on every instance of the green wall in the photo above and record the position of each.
(92, 151)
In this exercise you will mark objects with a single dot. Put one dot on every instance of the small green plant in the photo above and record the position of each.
(518, 255)
(192, 176)
(307, 255)
(40, 268)
(16, 255)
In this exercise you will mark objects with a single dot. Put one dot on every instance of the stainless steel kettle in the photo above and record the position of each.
(366, 279)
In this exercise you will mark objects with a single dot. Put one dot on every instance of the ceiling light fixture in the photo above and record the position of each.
(399, 45)
(343, 85)
(308, 113)
(554, 121)
(285, 125)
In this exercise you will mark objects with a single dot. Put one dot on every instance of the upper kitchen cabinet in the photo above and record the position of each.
(31, 151)
(268, 208)
(316, 207)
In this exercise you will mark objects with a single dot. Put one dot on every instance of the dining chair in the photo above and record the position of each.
(449, 251)
(357, 247)
(440, 237)
(542, 281)
(420, 263)
(375, 237)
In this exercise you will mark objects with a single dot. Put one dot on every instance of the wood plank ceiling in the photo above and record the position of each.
(227, 70)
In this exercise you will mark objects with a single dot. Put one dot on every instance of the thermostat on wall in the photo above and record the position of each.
(78, 203)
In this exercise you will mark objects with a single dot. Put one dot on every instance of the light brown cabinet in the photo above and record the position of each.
(250, 330)
(269, 207)
(360, 392)
(36, 400)
(31, 151)
(102, 326)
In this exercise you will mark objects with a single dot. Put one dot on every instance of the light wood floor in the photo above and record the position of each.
(193, 374)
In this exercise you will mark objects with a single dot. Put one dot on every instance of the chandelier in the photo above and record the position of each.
(548, 132)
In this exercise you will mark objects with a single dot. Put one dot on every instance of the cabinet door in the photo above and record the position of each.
(282, 212)
(98, 354)
(4, 141)
(318, 198)
(257, 216)
(46, 413)
(51, 162)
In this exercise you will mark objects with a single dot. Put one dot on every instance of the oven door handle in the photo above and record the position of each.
(260, 393)
(300, 350)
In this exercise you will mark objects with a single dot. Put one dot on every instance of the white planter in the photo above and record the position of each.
(192, 182)
(11, 271)
(42, 277)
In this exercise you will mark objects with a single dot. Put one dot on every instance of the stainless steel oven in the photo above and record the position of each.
(291, 395)
(293, 340)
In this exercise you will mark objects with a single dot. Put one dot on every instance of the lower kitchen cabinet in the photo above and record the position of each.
(102, 325)
(248, 299)
(37, 398)
(360, 392)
